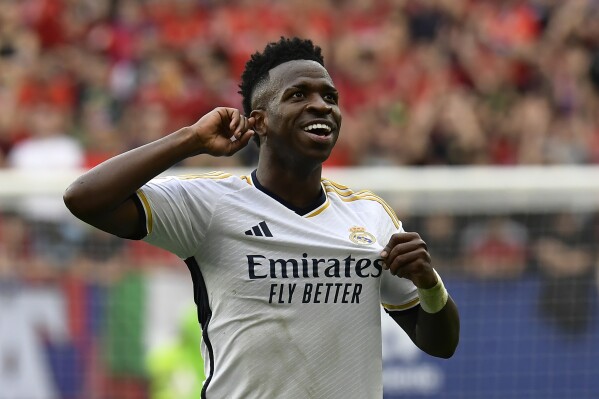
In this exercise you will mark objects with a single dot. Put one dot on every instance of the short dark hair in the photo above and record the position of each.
(274, 54)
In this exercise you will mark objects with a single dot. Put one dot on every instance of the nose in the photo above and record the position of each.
(319, 104)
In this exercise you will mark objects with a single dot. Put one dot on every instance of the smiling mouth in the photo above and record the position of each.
(319, 129)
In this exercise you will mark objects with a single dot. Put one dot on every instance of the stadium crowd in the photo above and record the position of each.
(427, 82)
(449, 82)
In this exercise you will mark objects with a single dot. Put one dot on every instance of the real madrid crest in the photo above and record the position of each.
(360, 236)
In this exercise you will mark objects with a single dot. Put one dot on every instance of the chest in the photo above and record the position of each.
(335, 232)
(281, 257)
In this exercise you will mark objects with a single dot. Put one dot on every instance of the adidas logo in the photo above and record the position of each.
(260, 230)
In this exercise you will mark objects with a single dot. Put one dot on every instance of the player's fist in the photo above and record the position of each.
(222, 131)
(406, 255)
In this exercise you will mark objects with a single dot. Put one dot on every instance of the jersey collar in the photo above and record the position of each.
(322, 198)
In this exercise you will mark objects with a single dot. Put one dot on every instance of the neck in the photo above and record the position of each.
(297, 186)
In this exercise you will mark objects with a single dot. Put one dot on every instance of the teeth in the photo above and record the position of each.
(317, 126)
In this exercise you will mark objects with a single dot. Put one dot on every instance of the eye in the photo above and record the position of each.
(297, 94)
(332, 97)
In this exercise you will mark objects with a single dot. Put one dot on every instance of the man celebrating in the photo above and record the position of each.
(289, 269)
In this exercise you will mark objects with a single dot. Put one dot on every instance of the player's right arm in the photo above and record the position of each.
(103, 196)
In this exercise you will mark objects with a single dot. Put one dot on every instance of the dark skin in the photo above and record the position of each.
(301, 93)
(298, 94)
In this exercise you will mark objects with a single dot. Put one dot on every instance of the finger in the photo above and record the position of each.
(404, 248)
(385, 253)
(248, 124)
(396, 239)
(242, 128)
(399, 264)
(246, 137)
(234, 116)
(237, 145)
(412, 271)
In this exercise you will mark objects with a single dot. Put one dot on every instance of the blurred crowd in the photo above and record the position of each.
(427, 82)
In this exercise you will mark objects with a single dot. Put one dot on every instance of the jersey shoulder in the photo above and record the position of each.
(363, 199)
(216, 176)
(219, 180)
(202, 187)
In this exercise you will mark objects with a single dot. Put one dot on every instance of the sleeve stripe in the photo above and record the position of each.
(388, 209)
(209, 175)
(361, 195)
(147, 209)
(405, 306)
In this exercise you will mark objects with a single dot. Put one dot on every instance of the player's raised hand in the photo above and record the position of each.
(406, 255)
(222, 131)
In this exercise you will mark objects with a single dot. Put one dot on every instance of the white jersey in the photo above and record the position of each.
(289, 300)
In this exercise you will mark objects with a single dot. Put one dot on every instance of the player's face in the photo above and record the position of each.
(302, 119)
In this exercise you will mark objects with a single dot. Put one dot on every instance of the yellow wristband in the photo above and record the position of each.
(433, 299)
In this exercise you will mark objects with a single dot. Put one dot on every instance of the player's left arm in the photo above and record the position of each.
(434, 325)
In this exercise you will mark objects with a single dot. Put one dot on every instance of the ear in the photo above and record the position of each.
(260, 126)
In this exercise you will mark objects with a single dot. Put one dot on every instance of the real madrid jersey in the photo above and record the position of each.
(289, 300)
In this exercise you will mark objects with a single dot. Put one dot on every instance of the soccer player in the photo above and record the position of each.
(289, 269)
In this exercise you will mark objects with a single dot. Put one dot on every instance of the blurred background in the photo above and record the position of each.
(477, 120)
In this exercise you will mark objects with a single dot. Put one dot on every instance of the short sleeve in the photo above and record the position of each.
(178, 212)
(396, 293)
